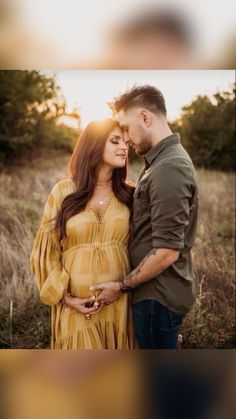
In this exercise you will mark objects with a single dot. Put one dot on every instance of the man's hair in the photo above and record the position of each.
(146, 96)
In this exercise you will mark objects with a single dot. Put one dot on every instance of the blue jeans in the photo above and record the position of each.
(155, 326)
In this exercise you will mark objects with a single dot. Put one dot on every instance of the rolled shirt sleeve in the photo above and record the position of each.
(170, 202)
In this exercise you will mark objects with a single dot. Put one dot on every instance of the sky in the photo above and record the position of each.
(90, 90)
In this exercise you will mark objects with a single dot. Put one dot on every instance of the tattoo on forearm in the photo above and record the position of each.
(137, 270)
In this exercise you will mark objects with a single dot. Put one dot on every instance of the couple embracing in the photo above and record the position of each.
(113, 260)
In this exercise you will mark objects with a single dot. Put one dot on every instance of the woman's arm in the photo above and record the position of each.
(50, 275)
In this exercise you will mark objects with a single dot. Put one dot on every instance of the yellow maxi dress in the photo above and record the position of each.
(94, 251)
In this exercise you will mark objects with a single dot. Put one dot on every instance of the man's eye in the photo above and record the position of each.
(114, 142)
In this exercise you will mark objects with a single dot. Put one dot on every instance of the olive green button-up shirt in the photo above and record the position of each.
(165, 216)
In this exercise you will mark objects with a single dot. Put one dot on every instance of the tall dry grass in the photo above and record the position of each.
(211, 322)
(25, 322)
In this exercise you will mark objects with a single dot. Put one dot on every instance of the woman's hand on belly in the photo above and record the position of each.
(83, 305)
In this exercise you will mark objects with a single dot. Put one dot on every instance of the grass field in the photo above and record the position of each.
(25, 322)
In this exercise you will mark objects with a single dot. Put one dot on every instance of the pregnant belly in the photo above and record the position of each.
(93, 266)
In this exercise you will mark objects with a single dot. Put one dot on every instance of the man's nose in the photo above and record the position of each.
(126, 137)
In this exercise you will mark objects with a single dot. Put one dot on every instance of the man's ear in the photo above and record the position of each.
(146, 117)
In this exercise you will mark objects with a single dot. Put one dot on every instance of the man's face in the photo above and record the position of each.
(136, 134)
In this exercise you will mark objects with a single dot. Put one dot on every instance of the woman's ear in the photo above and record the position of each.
(146, 117)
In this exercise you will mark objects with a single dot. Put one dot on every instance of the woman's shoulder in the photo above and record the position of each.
(63, 187)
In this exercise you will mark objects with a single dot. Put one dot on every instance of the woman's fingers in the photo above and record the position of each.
(89, 301)
(83, 305)
(77, 300)
(92, 310)
(95, 311)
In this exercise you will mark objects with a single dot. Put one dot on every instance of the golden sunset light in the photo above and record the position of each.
(90, 91)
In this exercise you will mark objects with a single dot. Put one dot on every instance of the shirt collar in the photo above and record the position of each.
(159, 147)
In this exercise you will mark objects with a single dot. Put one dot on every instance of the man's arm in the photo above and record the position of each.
(156, 261)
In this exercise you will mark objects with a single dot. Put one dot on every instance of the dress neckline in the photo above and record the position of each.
(100, 218)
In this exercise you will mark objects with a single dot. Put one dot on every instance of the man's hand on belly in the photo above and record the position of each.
(110, 291)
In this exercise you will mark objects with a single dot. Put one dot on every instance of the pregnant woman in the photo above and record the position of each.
(82, 241)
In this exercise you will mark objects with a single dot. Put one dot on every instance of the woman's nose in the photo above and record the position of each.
(124, 145)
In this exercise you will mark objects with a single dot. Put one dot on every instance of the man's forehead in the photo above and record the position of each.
(121, 114)
(124, 116)
(120, 117)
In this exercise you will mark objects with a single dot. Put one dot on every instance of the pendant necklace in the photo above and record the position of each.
(101, 201)
(102, 186)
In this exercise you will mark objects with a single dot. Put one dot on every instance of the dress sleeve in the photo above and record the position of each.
(51, 277)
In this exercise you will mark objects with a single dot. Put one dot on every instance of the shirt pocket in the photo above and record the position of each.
(141, 201)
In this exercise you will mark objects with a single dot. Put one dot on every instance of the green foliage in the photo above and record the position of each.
(207, 129)
(59, 136)
(30, 105)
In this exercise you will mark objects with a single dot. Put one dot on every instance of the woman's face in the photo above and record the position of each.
(116, 151)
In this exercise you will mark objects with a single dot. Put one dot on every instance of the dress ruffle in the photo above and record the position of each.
(102, 335)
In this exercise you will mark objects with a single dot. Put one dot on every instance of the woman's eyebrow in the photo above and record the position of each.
(117, 137)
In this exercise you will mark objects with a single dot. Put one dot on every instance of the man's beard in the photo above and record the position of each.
(145, 144)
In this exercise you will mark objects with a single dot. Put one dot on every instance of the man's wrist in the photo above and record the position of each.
(124, 288)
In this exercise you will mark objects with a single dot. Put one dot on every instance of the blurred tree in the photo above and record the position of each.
(207, 129)
(30, 105)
